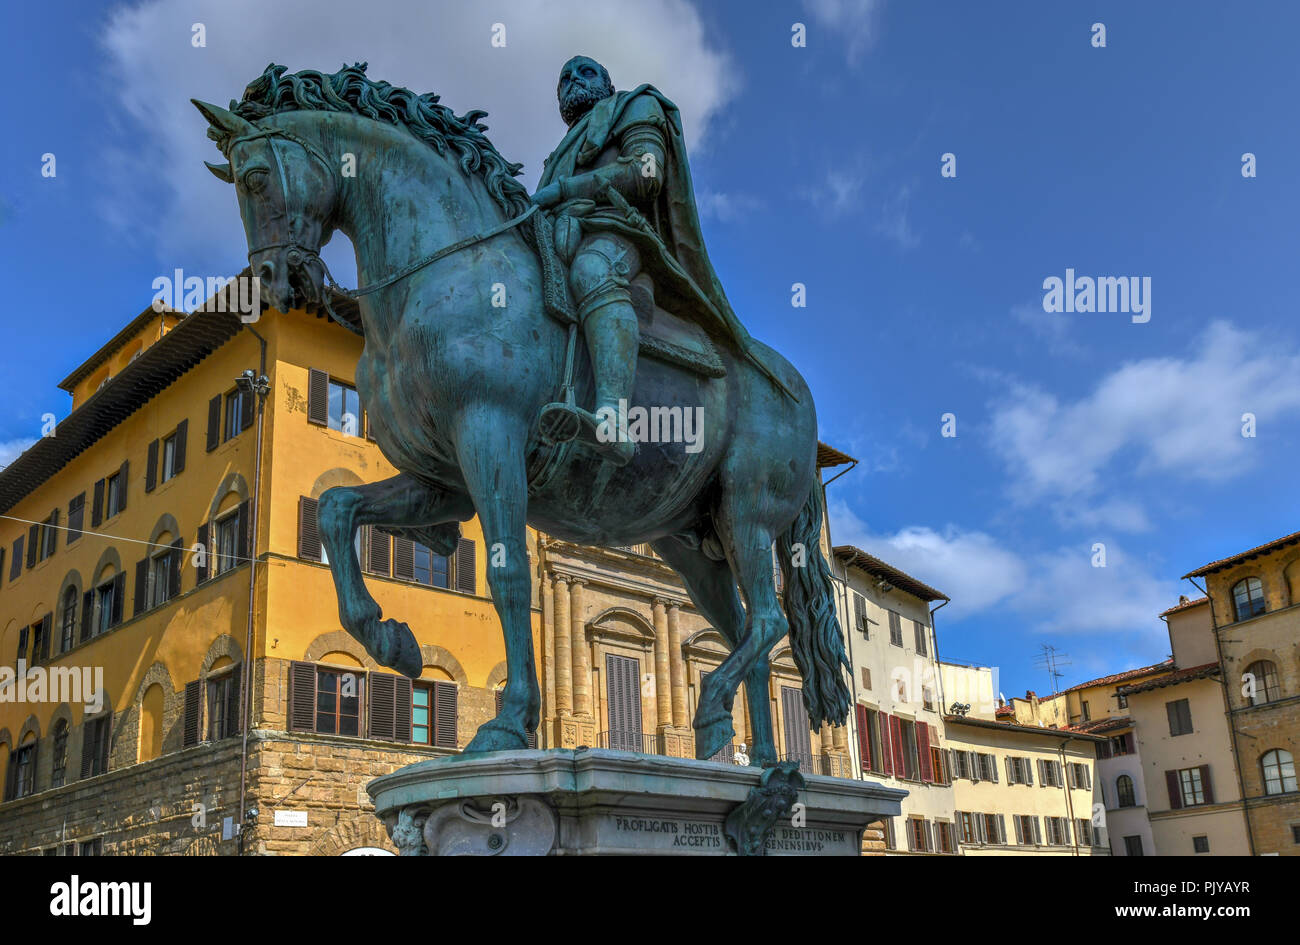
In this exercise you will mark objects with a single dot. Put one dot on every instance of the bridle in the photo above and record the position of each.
(299, 256)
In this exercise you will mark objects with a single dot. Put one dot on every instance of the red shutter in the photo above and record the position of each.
(1206, 785)
(1175, 793)
(864, 737)
(896, 736)
(923, 751)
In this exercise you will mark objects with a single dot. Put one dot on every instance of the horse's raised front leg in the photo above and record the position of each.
(490, 450)
(400, 501)
(713, 589)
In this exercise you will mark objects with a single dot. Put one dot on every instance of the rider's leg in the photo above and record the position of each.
(600, 275)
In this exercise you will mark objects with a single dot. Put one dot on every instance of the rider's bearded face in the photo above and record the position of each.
(583, 83)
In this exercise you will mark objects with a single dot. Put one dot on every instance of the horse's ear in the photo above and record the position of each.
(221, 171)
(226, 121)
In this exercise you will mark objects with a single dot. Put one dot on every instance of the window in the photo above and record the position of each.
(16, 559)
(1192, 787)
(94, 749)
(1262, 681)
(91, 847)
(1121, 744)
(22, 771)
(1049, 773)
(943, 837)
(1278, 766)
(223, 706)
(1083, 830)
(59, 770)
(911, 767)
(918, 835)
(1027, 830)
(890, 842)
(168, 458)
(941, 774)
(920, 639)
(159, 580)
(225, 545)
(995, 831)
(1248, 598)
(873, 741)
(1018, 770)
(345, 409)
(1080, 777)
(966, 824)
(895, 629)
(238, 412)
(1087, 714)
(113, 495)
(1200, 844)
(433, 714)
(68, 625)
(1122, 700)
(1295, 832)
(1133, 846)
(1180, 717)
(1124, 791)
(106, 604)
(960, 764)
(338, 702)
(431, 569)
(987, 768)
(1058, 831)
(860, 615)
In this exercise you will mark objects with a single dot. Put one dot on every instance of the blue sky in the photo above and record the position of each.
(818, 165)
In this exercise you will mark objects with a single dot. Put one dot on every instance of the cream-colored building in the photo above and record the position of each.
(1189, 778)
(1255, 613)
(898, 712)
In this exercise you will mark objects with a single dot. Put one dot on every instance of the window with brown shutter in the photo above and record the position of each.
(178, 455)
(1175, 790)
(151, 467)
(445, 718)
(203, 563)
(309, 546)
(389, 716)
(141, 586)
(1206, 786)
(864, 737)
(76, 518)
(302, 697)
(214, 423)
(926, 763)
(190, 716)
(404, 559)
(886, 752)
(377, 557)
(466, 581)
(896, 738)
(318, 397)
(33, 545)
(97, 504)
(94, 746)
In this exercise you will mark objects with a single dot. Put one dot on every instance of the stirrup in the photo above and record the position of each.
(560, 422)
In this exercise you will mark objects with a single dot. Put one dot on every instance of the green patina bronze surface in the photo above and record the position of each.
(455, 385)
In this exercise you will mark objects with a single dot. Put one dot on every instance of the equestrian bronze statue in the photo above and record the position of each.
(515, 347)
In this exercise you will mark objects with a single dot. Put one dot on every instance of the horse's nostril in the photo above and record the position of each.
(267, 273)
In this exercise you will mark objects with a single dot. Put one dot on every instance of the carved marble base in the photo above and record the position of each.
(594, 801)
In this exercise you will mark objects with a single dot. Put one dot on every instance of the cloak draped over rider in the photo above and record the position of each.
(668, 236)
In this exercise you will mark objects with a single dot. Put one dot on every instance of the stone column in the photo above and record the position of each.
(548, 648)
(563, 649)
(581, 654)
(663, 673)
(678, 666)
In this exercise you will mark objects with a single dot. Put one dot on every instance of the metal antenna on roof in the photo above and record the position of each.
(1052, 661)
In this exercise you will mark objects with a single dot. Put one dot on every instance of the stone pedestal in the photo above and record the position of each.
(593, 801)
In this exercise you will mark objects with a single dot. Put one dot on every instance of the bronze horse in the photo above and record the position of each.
(454, 384)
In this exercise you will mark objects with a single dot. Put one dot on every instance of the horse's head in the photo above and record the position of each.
(286, 188)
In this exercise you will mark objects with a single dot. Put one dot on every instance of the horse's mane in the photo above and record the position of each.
(349, 90)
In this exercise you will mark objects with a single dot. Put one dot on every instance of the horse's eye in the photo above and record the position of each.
(255, 179)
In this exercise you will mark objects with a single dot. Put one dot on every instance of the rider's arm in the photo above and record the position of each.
(637, 173)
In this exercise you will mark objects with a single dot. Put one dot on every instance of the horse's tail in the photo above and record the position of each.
(815, 634)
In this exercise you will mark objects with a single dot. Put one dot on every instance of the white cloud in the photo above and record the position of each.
(12, 449)
(838, 192)
(726, 208)
(441, 47)
(853, 21)
(1052, 328)
(894, 221)
(1053, 592)
(1169, 417)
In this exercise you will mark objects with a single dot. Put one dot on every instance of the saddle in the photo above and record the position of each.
(663, 336)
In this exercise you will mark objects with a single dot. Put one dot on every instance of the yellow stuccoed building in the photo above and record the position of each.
(128, 537)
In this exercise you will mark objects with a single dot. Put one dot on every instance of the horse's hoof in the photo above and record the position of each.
(492, 736)
(399, 649)
(761, 759)
(712, 737)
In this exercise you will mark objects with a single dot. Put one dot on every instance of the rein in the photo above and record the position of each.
(299, 256)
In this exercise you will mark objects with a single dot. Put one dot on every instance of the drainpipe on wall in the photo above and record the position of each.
(1227, 711)
(261, 386)
(1069, 801)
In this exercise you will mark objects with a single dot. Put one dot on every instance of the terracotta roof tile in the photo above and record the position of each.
(1173, 679)
(1263, 549)
(1166, 666)
(858, 558)
(1185, 605)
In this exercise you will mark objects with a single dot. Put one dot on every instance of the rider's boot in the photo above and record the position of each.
(613, 338)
